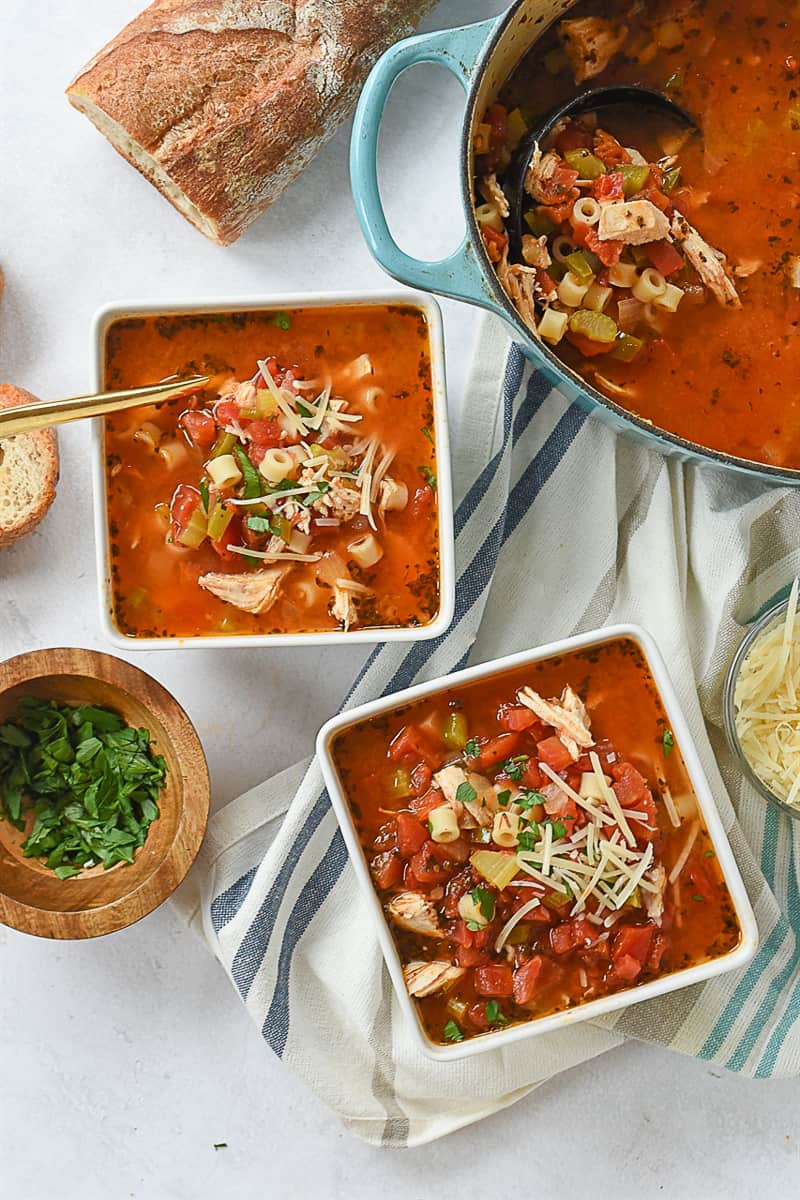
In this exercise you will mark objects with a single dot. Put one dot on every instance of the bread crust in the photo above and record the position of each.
(44, 445)
(221, 103)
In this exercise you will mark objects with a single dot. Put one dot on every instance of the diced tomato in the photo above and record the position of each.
(496, 750)
(200, 427)
(657, 951)
(632, 941)
(185, 500)
(516, 717)
(629, 785)
(584, 932)
(528, 979)
(423, 502)
(432, 863)
(664, 257)
(411, 834)
(410, 881)
(476, 1014)
(411, 743)
(560, 185)
(587, 347)
(609, 252)
(609, 187)
(531, 776)
(387, 869)
(574, 136)
(561, 806)
(495, 243)
(559, 213)
(424, 805)
(657, 197)
(421, 779)
(610, 152)
(562, 938)
(545, 281)
(495, 980)
(700, 879)
(227, 411)
(472, 956)
(626, 968)
(264, 433)
(554, 753)
(497, 118)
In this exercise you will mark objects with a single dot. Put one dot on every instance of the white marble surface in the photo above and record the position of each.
(123, 1061)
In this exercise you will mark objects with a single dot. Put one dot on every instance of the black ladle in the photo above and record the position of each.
(590, 101)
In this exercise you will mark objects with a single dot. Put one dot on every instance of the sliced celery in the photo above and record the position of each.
(579, 265)
(539, 224)
(223, 445)
(496, 868)
(585, 163)
(219, 521)
(627, 347)
(455, 732)
(401, 783)
(671, 179)
(596, 326)
(517, 128)
(634, 178)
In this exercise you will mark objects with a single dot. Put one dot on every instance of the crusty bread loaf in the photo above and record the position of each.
(221, 103)
(28, 473)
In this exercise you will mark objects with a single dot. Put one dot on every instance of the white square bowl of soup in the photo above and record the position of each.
(537, 842)
(302, 496)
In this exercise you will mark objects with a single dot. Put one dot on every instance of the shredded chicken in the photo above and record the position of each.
(344, 608)
(425, 978)
(793, 271)
(482, 807)
(344, 500)
(654, 901)
(520, 283)
(541, 170)
(568, 717)
(535, 252)
(709, 263)
(254, 592)
(747, 267)
(492, 193)
(632, 222)
(410, 910)
(590, 43)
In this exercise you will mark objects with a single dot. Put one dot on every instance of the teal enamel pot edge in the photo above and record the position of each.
(467, 274)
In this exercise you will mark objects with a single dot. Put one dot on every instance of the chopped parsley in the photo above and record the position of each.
(301, 408)
(475, 926)
(253, 486)
(699, 898)
(484, 901)
(493, 1014)
(282, 320)
(514, 768)
(529, 799)
(668, 741)
(709, 854)
(429, 477)
(203, 486)
(465, 793)
(452, 1033)
(259, 524)
(472, 749)
(503, 798)
(559, 830)
(528, 838)
(426, 433)
(322, 487)
(220, 1145)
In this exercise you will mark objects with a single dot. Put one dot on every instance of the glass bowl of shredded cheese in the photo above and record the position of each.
(761, 704)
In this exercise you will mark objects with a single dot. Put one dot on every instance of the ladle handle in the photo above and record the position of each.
(459, 275)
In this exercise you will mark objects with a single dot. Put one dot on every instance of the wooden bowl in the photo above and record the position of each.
(32, 899)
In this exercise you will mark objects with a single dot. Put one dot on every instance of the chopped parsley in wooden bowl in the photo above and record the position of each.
(104, 793)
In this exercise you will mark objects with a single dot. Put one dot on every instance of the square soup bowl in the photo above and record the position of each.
(734, 959)
(428, 307)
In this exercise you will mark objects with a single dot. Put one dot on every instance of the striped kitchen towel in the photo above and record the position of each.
(561, 527)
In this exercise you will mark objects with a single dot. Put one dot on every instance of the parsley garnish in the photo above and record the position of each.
(475, 926)
(493, 1014)
(301, 408)
(503, 798)
(203, 488)
(698, 898)
(709, 854)
(426, 433)
(429, 477)
(484, 901)
(252, 479)
(322, 487)
(452, 1033)
(514, 768)
(472, 749)
(528, 838)
(259, 524)
(559, 830)
(529, 799)
(668, 741)
(282, 320)
(220, 1145)
(92, 782)
(465, 793)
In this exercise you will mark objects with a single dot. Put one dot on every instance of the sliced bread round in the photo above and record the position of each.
(28, 473)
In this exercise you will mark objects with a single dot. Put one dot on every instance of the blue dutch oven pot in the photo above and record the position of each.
(482, 57)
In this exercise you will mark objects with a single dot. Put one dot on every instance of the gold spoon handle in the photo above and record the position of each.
(44, 413)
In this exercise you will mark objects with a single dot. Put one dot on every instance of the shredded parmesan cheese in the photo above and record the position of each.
(669, 805)
(518, 916)
(683, 857)
(766, 709)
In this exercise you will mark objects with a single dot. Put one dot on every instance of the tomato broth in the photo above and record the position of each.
(197, 550)
(447, 906)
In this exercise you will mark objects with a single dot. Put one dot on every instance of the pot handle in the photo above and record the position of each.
(459, 276)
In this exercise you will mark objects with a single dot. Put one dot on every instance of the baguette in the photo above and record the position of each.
(28, 473)
(222, 103)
